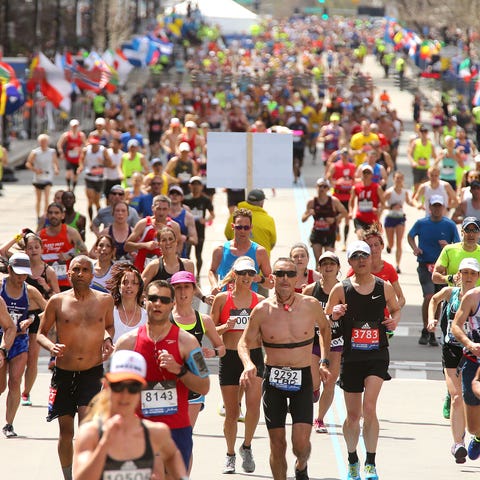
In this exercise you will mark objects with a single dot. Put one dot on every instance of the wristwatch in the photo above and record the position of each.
(450, 278)
(5, 352)
(182, 372)
(325, 361)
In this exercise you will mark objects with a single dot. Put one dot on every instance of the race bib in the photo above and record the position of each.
(321, 224)
(148, 260)
(422, 162)
(365, 337)
(60, 270)
(197, 213)
(241, 317)
(336, 342)
(161, 399)
(285, 378)
(96, 171)
(184, 176)
(365, 205)
(134, 474)
(73, 153)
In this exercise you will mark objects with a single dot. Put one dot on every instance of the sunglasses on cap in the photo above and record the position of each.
(242, 227)
(242, 273)
(285, 273)
(119, 387)
(358, 255)
(156, 298)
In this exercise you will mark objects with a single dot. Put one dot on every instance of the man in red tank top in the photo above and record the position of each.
(60, 244)
(175, 364)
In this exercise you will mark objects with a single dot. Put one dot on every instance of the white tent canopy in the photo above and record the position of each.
(229, 15)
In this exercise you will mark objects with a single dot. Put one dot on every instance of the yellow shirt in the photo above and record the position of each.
(358, 141)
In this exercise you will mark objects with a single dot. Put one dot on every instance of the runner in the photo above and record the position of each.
(69, 146)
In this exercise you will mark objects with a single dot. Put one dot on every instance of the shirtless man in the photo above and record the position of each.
(288, 356)
(77, 313)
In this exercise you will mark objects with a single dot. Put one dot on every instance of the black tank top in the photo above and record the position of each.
(322, 297)
(34, 283)
(321, 212)
(197, 330)
(365, 337)
(162, 274)
(140, 467)
(120, 253)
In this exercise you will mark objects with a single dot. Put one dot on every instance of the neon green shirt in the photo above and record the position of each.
(451, 256)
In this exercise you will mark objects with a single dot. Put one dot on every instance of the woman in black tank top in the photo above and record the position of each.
(329, 267)
(130, 442)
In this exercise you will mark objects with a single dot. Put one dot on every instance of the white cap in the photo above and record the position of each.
(100, 121)
(20, 263)
(74, 122)
(366, 167)
(127, 365)
(470, 263)
(175, 121)
(190, 124)
(184, 147)
(358, 246)
(244, 264)
(133, 142)
(436, 199)
(323, 181)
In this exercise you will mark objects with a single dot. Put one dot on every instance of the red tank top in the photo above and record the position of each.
(52, 246)
(73, 147)
(367, 201)
(191, 141)
(309, 281)
(343, 176)
(149, 234)
(242, 314)
(148, 349)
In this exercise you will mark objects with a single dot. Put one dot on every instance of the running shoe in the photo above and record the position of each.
(248, 463)
(26, 402)
(230, 464)
(241, 416)
(389, 249)
(221, 410)
(301, 474)
(446, 406)
(459, 452)
(474, 449)
(8, 431)
(423, 340)
(354, 471)
(319, 426)
(432, 341)
(370, 472)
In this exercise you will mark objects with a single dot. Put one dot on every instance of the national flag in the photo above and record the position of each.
(465, 71)
(476, 97)
(6, 72)
(119, 65)
(3, 95)
(164, 47)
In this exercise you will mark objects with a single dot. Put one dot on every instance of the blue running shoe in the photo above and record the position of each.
(354, 471)
(370, 472)
(473, 449)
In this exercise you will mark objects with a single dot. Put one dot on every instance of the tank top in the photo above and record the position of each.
(144, 256)
(172, 408)
(422, 154)
(242, 315)
(52, 246)
(162, 273)
(100, 283)
(447, 167)
(197, 328)
(429, 192)
(395, 204)
(183, 171)
(93, 162)
(364, 335)
(72, 147)
(130, 166)
(451, 309)
(44, 162)
(343, 176)
(120, 253)
(111, 173)
(320, 215)
(322, 297)
(17, 307)
(470, 210)
(121, 328)
(332, 144)
(35, 283)
(367, 201)
(472, 329)
(138, 468)
(228, 259)
(192, 141)
(309, 280)
(73, 223)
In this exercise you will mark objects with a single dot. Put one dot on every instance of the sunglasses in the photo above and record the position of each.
(322, 186)
(358, 255)
(120, 194)
(156, 183)
(471, 230)
(119, 387)
(285, 273)
(156, 298)
(242, 227)
(242, 273)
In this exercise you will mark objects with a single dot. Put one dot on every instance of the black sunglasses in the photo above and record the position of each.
(358, 255)
(242, 227)
(471, 230)
(156, 298)
(117, 193)
(285, 273)
(242, 273)
(132, 388)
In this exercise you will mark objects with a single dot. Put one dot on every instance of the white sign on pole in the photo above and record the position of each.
(249, 160)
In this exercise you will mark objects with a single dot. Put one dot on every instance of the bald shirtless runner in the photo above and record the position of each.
(286, 325)
(84, 322)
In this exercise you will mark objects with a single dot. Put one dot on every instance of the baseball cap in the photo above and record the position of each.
(156, 161)
(323, 181)
(20, 263)
(100, 121)
(367, 167)
(182, 277)
(470, 221)
(329, 255)
(256, 195)
(93, 140)
(423, 128)
(175, 121)
(344, 151)
(289, 108)
(74, 122)
(127, 365)
(196, 178)
(471, 263)
(475, 184)
(133, 142)
(335, 116)
(298, 109)
(436, 199)
(190, 124)
(184, 147)
(175, 188)
(117, 188)
(358, 246)
(245, 264)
